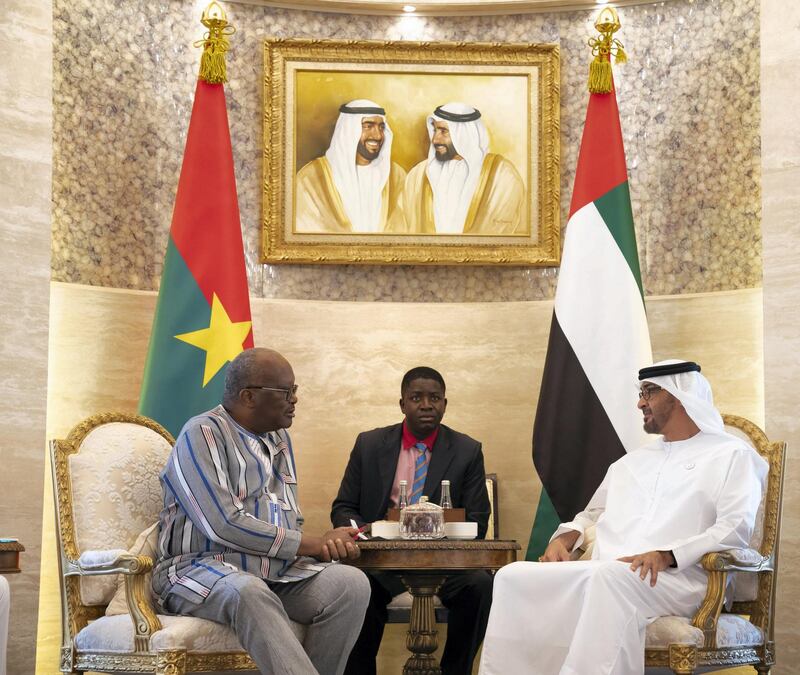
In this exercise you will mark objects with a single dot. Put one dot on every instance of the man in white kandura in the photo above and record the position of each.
(658, 510)
(355, 186)
(462, 188)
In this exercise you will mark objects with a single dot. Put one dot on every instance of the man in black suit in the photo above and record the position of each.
(380, 459)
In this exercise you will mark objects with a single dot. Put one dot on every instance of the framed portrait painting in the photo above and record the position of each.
(411, 153)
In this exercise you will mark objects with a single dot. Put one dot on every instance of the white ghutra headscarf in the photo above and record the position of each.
(691, 388)
(454, 182)
(694, 392)
(360, 187)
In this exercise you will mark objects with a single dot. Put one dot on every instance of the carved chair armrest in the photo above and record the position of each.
(114, 561)
(134, 567)
(718, 565)
(737, 560)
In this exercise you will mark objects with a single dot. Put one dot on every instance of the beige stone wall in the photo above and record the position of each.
(780, 99)
(349, 358)
(25, 175)
(124, 72)
(688, 99)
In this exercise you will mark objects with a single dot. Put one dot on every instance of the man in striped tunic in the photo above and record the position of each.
(231, 547)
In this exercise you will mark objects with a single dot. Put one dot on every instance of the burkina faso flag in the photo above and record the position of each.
(587, 416)
(202, 319)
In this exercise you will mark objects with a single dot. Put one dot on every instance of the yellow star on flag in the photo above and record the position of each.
(222, 340)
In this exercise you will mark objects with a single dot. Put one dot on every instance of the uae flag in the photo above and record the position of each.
(202, 319)
(587, 416)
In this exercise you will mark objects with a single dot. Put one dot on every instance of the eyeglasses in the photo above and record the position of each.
(289, 392)
(646, 392)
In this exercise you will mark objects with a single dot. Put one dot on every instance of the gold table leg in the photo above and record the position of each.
(422, 638)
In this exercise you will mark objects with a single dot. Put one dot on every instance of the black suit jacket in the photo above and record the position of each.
(367, 482)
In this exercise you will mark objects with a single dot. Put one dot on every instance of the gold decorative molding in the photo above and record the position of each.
(145, 621)
(171, 662)
(115, 663)
(283, 56)
(219, 662)
(768, 654)
(733, 656)
(708, 614)
(682, 658)
(441, 7)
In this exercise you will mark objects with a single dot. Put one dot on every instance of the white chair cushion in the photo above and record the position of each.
(404, 600)
(145, 544)
(668, 630)
(732, 631)
(115, 634)
(736, 631)
(115, 493)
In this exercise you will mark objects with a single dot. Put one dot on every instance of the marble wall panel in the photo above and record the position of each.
(25, 189)
(780, 61)
(349, 358)
(124, 78)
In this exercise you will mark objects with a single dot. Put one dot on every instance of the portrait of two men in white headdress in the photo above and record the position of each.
(460, 188)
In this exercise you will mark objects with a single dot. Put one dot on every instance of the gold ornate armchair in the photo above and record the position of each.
(106, 487)
(744, 635)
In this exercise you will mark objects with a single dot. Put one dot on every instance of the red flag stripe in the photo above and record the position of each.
(207, 196)
(601, 163)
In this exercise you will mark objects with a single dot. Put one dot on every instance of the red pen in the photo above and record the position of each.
(361, 530)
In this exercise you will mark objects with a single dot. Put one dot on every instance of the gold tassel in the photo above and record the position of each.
(600, 75)
(214, 43)
(212, 63)
(601, 78)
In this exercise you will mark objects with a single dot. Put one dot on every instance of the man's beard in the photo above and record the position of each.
(658, 418)
(366, 154)
(447, 155)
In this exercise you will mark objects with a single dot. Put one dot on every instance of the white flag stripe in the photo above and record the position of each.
(600, 311)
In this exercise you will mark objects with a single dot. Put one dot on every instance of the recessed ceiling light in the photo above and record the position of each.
(408, 9)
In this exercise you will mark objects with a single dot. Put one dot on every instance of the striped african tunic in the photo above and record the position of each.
(230, 504)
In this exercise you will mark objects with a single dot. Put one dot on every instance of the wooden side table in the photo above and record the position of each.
(9, 557)
(423, 566)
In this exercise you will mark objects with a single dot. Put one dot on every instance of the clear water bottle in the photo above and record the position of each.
(403, 498)
(447, 502)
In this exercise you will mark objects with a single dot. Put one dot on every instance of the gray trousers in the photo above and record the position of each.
(331, 604)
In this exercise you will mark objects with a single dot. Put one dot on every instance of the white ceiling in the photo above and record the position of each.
(443, 7)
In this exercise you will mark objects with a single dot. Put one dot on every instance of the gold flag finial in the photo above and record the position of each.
(214, 43)
(607, 23)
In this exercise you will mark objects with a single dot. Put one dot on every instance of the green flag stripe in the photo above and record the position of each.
(615, 208)
(172, 389)
(544, 524)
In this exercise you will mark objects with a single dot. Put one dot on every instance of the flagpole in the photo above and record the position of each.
(586, 414)
(202, 319)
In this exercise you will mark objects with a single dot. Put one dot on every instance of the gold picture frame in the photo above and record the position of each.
(501, 205)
